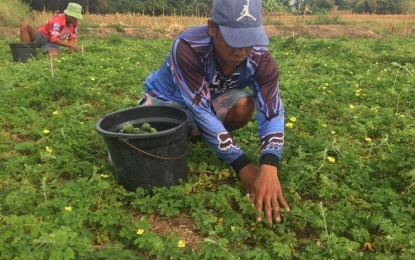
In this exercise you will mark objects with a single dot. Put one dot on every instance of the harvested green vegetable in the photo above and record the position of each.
(145, 128)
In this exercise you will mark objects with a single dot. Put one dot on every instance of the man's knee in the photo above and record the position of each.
(25, 26)
(240, 114)
(53, 53)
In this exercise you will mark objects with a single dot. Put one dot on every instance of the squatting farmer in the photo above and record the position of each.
(220, 73)
(51, 35)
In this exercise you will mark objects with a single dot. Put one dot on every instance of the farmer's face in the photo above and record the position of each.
(71, 19)
(227, 56)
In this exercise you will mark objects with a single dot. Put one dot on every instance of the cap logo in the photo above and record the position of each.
(245, 12)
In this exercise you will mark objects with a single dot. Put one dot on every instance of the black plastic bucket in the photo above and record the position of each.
(23, 51)
(147, 160)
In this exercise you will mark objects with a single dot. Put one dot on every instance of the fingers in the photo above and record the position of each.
(252, 197)
(75, 49)
(258, 203)
(271, 207)
(267, 194)
(284, 204)
(265, 205)
(268, 210)
(276, 210)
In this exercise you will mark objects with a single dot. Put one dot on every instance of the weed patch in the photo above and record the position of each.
(347, 168)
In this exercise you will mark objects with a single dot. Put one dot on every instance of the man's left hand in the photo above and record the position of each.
(267, 193)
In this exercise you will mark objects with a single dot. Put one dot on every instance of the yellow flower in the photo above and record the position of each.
(289, 125)
(69, 208)
(333, 132)
(331, 159)
(181, 244)
(92, 78)
(55, 112)
(45, 131)
(368, 246)
(293, 119)
(103, 175)
(368, 139)
(140, 231)
(48, 149)
(351, 106)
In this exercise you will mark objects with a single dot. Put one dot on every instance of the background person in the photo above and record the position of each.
(51, 35)
(207, 72)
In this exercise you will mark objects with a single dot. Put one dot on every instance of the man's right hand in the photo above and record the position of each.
(248, 175)
(75, 47)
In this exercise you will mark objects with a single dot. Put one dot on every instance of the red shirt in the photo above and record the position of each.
(56, 29)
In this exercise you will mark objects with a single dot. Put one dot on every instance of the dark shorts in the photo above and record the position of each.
(222, 104)
(44, 42)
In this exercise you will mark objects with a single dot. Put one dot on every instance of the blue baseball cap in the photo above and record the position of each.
(240, 22)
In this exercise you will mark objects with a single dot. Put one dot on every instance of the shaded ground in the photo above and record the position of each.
(309, 31)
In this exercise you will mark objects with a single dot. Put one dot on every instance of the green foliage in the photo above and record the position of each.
(347, 169)
(383, 6)
(275, 6)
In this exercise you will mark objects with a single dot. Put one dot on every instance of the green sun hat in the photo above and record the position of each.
(74, 10)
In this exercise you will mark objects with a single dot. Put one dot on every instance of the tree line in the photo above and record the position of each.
(203, 7)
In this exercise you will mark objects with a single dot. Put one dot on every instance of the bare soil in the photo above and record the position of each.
(308, 31)
(181, 226)
(322, 31)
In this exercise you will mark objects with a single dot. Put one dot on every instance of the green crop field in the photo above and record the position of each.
(348, 166)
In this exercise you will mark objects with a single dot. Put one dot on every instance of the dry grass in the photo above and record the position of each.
(392, 25)
(12, 12)
(396, 25)
(128, 20)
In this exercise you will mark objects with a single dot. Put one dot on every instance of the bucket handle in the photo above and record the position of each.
(152, 155)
